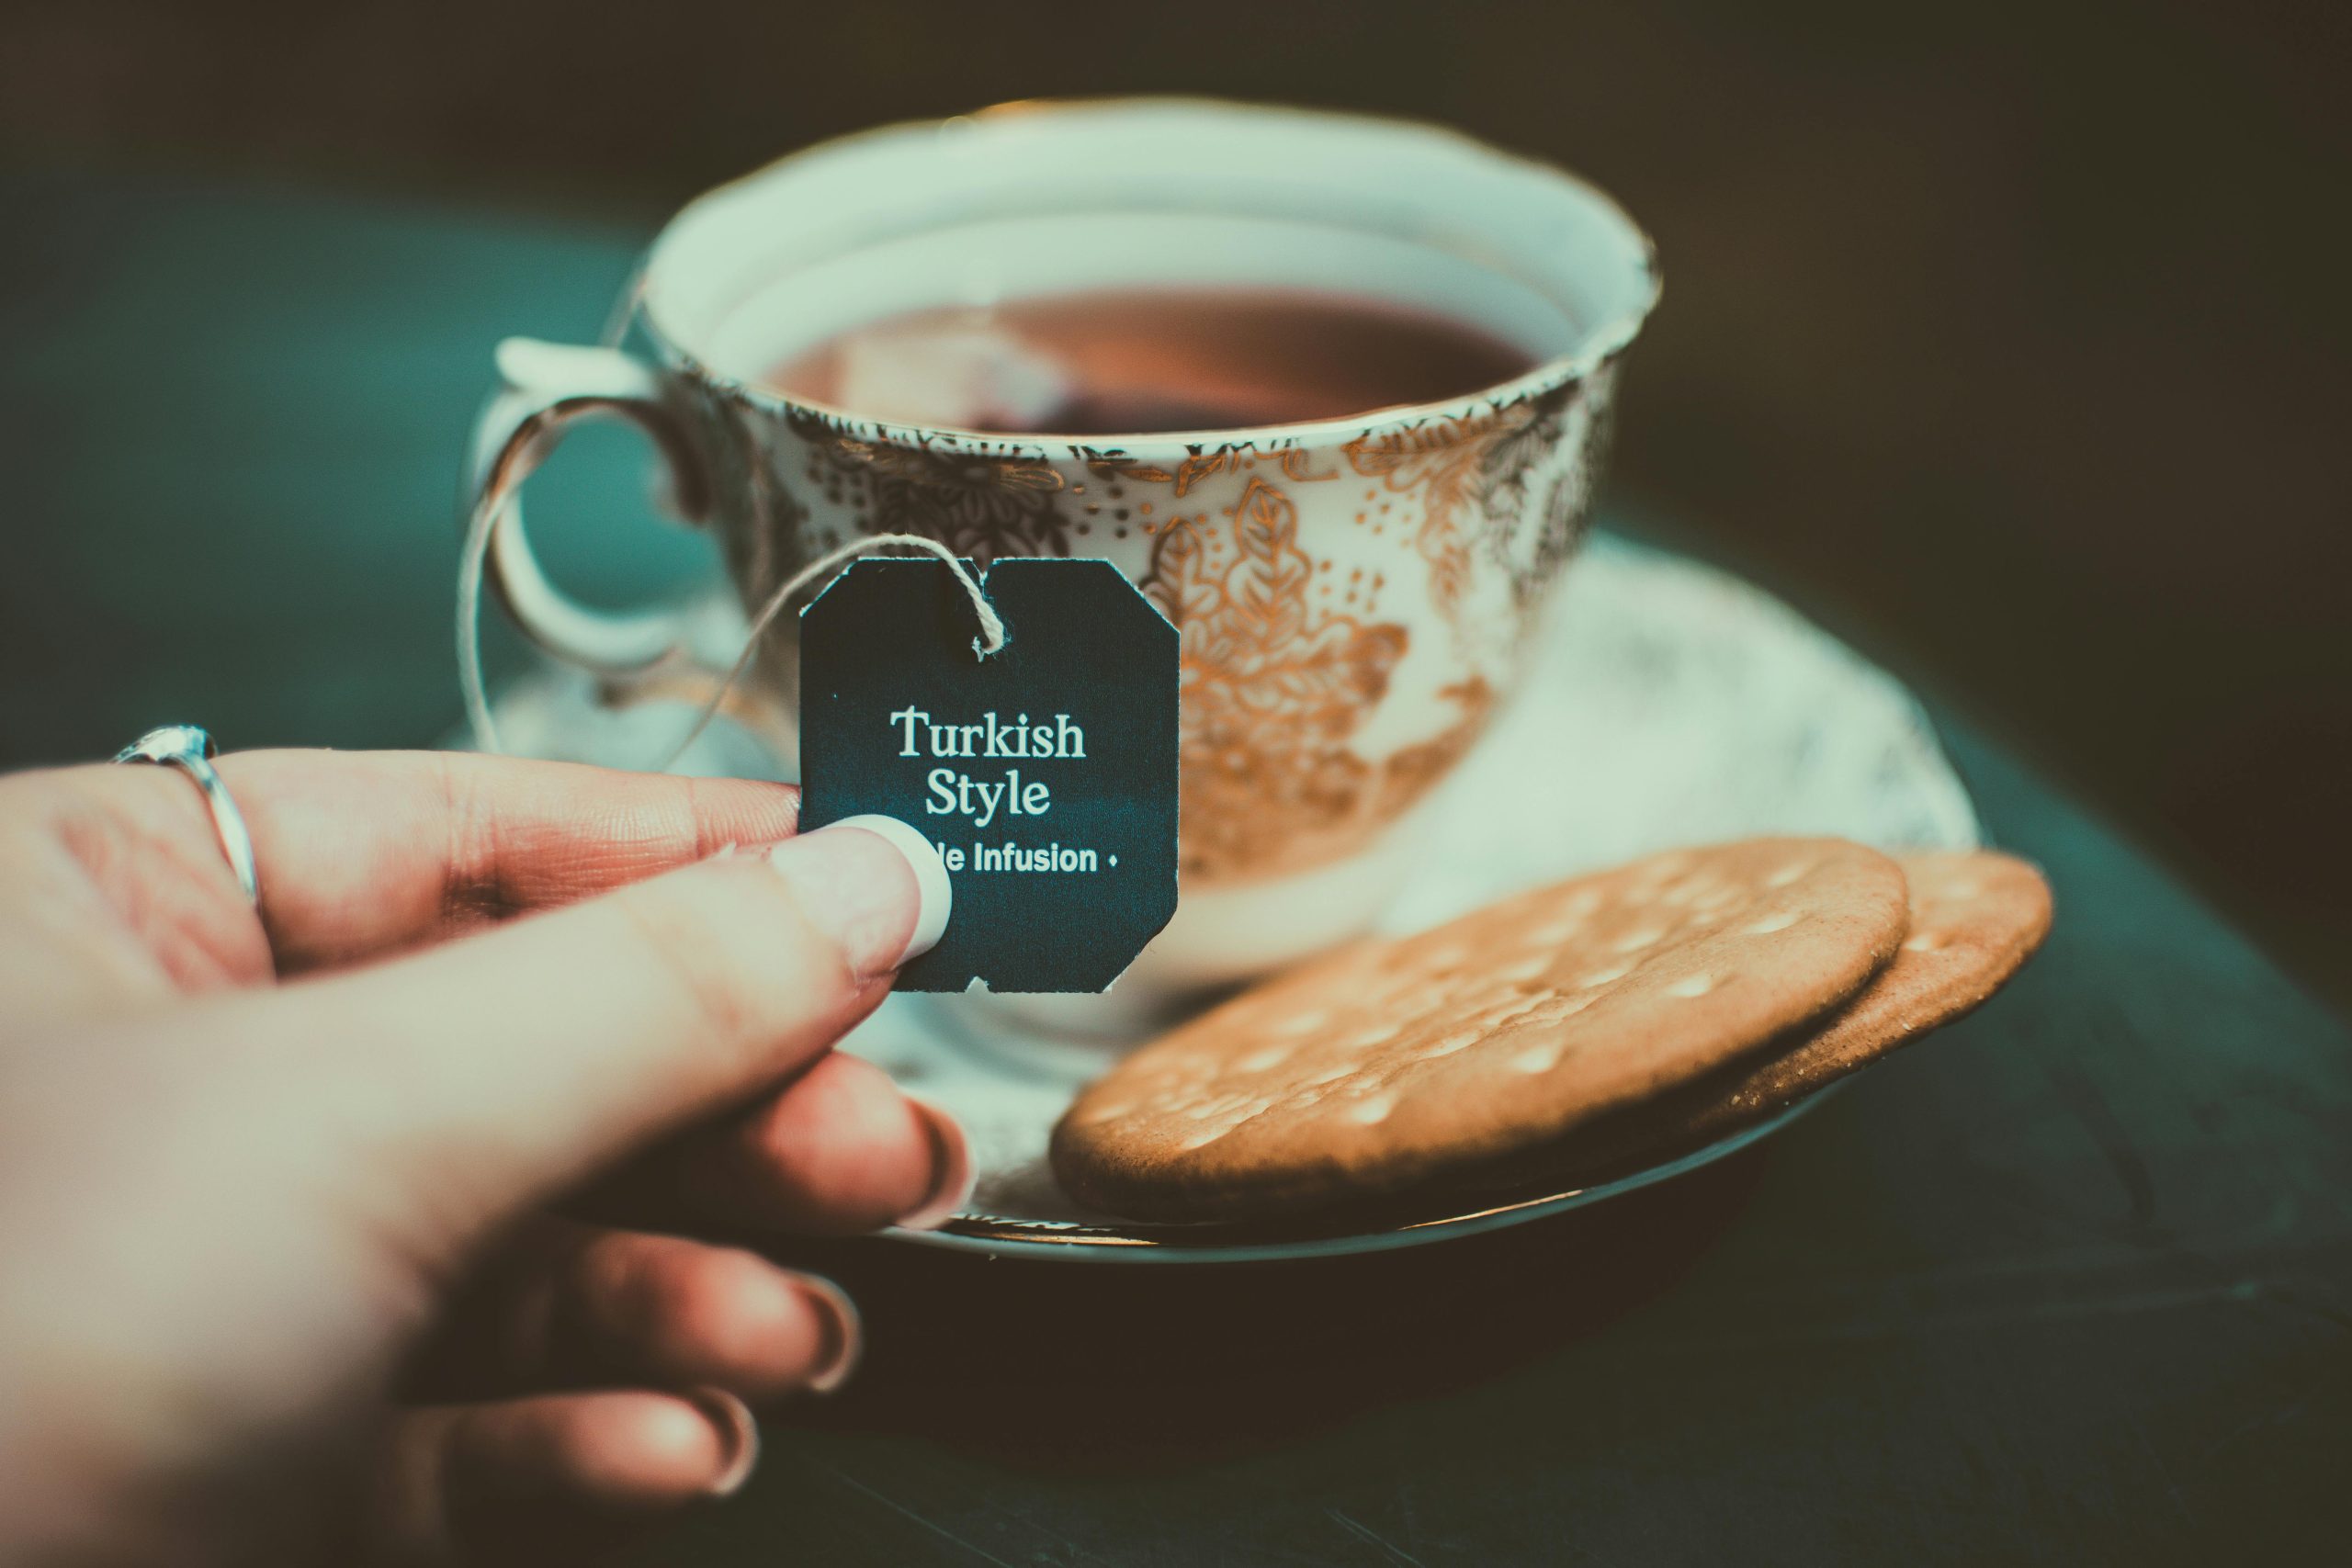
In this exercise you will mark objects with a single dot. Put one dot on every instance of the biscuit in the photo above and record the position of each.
(1395, 1062)
(1976, 917)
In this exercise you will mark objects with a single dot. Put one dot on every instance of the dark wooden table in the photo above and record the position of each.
(2073, 1284)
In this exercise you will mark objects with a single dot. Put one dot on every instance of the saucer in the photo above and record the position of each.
(1665, 703)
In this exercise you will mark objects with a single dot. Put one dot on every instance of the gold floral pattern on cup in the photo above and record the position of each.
(1290, 643)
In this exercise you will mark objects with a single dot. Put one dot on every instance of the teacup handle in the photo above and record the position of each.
(547, 387)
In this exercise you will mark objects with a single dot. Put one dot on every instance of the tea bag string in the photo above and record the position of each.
(992, 633)
(622, 317)
(470, 571)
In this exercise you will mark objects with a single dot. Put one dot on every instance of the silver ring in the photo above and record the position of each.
(190, 749)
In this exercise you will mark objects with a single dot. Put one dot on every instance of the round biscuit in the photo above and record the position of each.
(1395, 1062)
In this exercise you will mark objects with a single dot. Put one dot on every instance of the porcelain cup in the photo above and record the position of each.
(1353, 594)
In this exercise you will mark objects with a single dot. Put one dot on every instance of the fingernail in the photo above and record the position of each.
(843, 1339)
(737, 1430)
(951, 1173)
(878, 884)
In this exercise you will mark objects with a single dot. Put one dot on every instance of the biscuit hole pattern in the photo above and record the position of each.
(1778, 923)
(1634, 941)
(1537, 1058)
(1259, 1061)
(1788, 874)
(1924, 942)
(1691, 985)
(1602, 976)
(1376, 1109)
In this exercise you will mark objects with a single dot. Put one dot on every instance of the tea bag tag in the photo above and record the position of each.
(1044, 772)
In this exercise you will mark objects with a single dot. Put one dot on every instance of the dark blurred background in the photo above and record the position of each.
(2008, 339)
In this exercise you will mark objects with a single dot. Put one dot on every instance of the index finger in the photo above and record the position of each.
(366, 852)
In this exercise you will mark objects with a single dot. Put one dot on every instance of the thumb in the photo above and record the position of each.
(495, 1070)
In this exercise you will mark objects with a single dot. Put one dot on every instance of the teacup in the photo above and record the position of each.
(1353, 594)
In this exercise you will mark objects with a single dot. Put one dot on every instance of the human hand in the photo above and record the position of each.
(262, 1171)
